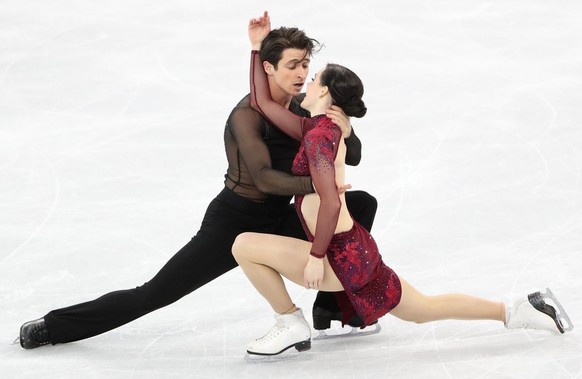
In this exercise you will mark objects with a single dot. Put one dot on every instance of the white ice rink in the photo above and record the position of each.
(111, 121)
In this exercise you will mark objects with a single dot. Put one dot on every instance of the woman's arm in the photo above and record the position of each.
(321, 146)
(261, 100)
(276, 114)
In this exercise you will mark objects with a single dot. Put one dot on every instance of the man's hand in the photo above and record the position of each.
(337, 115)
(340, 189)
(258, 30)
(343, 188)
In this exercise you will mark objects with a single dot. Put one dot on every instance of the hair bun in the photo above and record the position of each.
(355, 108)
(346, 89)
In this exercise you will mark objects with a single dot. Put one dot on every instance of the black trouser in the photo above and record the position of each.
(206, 257)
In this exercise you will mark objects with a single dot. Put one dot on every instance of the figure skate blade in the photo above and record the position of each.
(348, 332)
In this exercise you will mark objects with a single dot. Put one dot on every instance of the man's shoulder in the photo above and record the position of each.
(245, 102)
(244, 105)
(243, 115)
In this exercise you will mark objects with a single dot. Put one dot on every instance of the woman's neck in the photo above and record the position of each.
(318, 110)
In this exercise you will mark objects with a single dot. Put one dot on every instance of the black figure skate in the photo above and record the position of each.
(322, 318)
(34, 334)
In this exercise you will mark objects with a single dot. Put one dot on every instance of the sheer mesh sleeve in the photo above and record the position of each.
(250, 162)
(321, 146)
(290, 123)
(353, 149)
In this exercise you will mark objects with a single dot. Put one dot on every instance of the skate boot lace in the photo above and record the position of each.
(274, 332)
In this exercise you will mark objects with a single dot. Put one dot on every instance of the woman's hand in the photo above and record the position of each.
(258, 30)
(313, 273)
(337, 115)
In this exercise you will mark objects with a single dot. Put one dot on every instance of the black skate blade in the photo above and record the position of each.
(560, 317)
(348, 332)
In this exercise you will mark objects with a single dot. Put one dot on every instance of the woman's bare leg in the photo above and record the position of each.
(417, 307)
(265, 257)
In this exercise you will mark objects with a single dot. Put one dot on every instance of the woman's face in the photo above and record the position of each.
(313, 91)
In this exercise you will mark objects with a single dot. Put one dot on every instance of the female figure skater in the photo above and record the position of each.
(342, 255)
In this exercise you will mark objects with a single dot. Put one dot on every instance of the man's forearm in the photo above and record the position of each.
(353, 149)
(279, 183)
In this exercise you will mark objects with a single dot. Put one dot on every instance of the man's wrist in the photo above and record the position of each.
(351, 134)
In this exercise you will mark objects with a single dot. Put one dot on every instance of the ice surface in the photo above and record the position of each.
(111, 119)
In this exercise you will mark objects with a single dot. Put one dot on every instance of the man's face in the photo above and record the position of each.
(291, 72)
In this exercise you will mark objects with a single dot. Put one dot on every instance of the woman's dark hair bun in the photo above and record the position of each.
(346, 89)
(355, 108)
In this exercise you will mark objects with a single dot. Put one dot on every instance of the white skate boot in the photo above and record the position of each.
(291, 330)
(535, 313)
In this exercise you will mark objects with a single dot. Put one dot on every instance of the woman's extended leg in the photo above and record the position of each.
(417, 307)
(535, 311)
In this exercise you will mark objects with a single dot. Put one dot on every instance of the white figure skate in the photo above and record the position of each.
(291, 330)
(535, 313)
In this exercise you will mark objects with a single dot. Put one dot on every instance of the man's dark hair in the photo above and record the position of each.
(285, 38)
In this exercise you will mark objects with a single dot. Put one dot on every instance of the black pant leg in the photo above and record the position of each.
(289, 224)
(207, 256)
(362, 207)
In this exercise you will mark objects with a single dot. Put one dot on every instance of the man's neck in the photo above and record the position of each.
(279, 96)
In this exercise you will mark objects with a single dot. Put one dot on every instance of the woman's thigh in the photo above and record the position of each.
(286, 255)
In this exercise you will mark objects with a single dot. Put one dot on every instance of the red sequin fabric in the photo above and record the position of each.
(372, 288)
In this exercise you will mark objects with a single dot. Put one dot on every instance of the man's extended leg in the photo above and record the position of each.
(204, 258)
(207, 256)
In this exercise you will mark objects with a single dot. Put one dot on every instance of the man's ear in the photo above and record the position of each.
(268, 67)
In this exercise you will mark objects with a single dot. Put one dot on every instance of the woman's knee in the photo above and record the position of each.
(241, 246)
